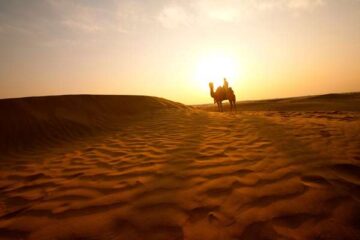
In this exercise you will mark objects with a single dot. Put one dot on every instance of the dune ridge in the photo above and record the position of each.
(38, 121)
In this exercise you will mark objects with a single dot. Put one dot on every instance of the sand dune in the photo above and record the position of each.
(327, 102)
(30, 122)
(120, 167)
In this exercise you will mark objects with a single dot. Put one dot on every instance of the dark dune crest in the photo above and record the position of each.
(38, 121)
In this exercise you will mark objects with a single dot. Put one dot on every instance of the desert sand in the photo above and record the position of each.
(133, 167)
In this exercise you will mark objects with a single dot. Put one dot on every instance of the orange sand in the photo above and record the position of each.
(108, 167)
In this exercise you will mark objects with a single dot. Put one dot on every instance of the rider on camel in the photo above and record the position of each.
(226, 86)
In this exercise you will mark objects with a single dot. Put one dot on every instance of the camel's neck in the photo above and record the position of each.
(212, 92)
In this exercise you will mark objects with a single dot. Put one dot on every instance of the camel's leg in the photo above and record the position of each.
(231, 105)
(221, 107)
(218, 105)
(234, 105)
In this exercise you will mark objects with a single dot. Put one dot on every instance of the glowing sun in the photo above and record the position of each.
(214, 68)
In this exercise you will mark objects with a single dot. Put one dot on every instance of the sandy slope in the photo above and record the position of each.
(42, 121)
(179, 173)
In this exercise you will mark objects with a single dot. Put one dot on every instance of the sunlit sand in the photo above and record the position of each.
(132, 167)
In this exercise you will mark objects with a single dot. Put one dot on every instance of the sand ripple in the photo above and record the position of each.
(188, 174)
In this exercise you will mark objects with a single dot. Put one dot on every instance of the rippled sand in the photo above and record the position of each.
(184, 173)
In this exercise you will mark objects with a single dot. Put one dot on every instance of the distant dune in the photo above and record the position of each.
(135, 167)
(327, 102)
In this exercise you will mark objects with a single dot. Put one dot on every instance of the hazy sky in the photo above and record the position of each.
(169, 48)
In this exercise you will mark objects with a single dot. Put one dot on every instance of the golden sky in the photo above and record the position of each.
(172, 49)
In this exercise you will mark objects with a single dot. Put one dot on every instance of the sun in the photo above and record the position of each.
(214, 68)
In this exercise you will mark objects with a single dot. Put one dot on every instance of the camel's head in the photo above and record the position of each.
(211, 85)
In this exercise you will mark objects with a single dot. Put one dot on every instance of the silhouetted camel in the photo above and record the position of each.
(221, 95)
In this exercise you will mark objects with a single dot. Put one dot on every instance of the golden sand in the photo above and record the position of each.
(148, 168)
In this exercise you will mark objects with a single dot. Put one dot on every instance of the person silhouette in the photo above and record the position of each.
(225, 85)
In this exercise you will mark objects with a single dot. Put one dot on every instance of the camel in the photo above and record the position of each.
(221, 94)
